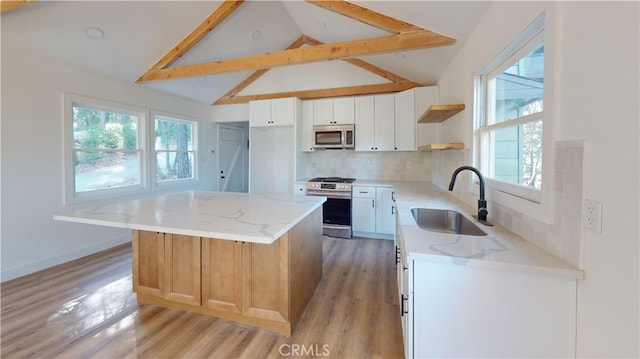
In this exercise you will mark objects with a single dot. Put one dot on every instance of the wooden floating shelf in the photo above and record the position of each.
(439, 113)
(441, 146)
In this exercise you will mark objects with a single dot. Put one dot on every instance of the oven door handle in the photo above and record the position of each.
(346, 195)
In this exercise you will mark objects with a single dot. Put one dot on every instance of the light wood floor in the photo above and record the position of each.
(86, 309)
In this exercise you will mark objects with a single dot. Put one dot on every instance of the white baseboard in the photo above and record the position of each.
(33, 267)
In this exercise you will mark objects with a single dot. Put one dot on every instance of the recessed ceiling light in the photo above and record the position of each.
(256, 35)
(202, 78)
(94, 32)
(321, 23)
(400, 55)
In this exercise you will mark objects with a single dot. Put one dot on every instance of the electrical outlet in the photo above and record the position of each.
(592, 215)
(408, 164)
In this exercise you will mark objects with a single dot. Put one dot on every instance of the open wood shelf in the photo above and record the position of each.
(441, 146)
(439, 113)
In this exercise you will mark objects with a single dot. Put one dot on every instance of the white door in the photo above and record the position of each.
(233, 164)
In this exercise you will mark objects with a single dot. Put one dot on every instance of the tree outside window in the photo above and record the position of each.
(105, 148)
(174, 149)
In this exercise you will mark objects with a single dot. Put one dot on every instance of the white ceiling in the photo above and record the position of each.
(139, 33)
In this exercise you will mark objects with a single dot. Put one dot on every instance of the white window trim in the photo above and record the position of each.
(534, 203)
(174, 184)
(70, 195)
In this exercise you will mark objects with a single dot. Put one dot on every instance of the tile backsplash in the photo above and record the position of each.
(563, 237)
(386, 166)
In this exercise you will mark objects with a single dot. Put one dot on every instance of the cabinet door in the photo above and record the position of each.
(283, 111)
(403, 297)
(148, 261)
(259, 113)
(384, 115)
(365, 127)
(266, 280)
(272, 160)
(222, 274)
(363, 214)
(406, 122)
(344, 110)
(182, 268)
(306, 127)
(323, 112)
(385, 211)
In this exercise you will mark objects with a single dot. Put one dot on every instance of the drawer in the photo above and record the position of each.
(363, 192)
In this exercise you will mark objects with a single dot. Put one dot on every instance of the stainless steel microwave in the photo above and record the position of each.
(334, 136)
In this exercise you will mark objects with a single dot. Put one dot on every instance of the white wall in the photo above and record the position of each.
(32, 158)
(594, 101)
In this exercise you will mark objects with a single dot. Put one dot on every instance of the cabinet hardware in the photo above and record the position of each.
(402, 308)
(393, 211)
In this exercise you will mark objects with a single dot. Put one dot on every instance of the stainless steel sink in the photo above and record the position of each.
(445, 221)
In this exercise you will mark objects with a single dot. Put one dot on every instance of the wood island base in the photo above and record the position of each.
(262, 285)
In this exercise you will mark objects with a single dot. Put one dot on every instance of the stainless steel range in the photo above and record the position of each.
(336, 211)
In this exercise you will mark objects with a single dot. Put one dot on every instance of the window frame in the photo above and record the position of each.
(534, 202)
(176, 183)
(70, 194)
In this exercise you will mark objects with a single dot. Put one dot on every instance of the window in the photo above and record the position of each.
(112, 149)
(104, 148)
(510, 98)
(174, 149)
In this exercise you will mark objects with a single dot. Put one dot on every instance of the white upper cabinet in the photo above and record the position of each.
(365, 125)
(410, 105)
(323, 112)
(305, 130)
(375, 123)
(406, 125)
(344, 110)
(334, 111)
(385, 122)
(276, 112)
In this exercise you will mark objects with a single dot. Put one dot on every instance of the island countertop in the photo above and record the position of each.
(223, 215)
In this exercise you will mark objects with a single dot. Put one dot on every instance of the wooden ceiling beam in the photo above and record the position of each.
(230, 97)
(218, 16)
(322, 93)
(254, 76)
(366, 16)
(333, 51)
(8, 5)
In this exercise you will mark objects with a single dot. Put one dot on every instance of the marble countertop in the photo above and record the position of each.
(223, 215)
(500, 249)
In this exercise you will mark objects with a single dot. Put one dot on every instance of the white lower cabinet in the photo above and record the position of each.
(373, 212)
(456, 310)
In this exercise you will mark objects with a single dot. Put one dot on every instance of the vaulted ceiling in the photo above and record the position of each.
(224, 52)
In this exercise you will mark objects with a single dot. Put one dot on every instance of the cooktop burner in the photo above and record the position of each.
(333, 180)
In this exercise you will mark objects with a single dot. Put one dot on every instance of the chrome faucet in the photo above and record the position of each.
(482, 203)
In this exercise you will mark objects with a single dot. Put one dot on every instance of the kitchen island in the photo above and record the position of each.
(253, 259)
